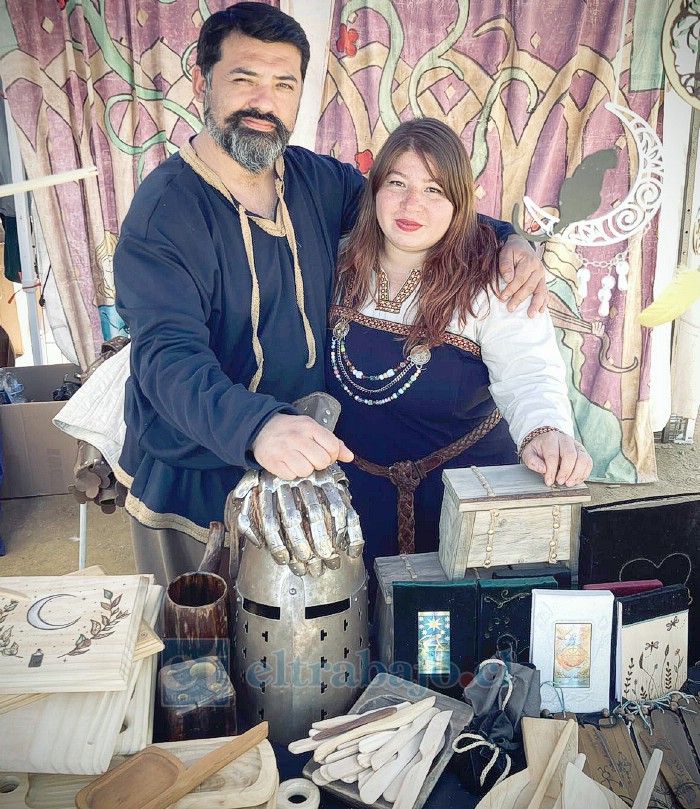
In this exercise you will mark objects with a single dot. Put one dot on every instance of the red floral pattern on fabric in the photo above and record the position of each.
(364, 161)
(346, 41)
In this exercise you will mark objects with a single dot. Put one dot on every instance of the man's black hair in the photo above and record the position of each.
(257, 20)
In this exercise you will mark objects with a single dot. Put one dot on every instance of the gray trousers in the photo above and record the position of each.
(168, 553)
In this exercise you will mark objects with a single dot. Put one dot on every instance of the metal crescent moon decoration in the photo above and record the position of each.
(34, 613)
(635, 211)
(679, 50)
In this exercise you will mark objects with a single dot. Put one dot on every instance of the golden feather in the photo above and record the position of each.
(678, 296)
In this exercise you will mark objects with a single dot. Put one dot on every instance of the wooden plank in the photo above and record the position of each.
(384, 690)
(683, 783)
(691, 720)
(137, 726)
(612, 759)
(72, 634)
(8, 189)
(78, 732)
(662, 797)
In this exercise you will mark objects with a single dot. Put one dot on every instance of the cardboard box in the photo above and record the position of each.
(37, 457)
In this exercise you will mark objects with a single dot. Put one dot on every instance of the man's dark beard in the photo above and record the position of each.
(254, 151)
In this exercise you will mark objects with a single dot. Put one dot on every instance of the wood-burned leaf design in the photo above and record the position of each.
(5, 637)
(82, 642)
(641, 660)
(668, 646)
(102, 628)
(13, 649)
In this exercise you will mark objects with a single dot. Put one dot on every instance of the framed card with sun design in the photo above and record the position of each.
(64, 633)
(570, 642)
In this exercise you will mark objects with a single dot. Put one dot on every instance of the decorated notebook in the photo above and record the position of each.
(652, 643)
(656, 538)
(504, 616)
(435, 632)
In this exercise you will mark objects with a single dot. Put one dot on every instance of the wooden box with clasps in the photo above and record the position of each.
(507, 515)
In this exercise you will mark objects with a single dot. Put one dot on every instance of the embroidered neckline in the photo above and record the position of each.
(349, 314)
(393, 305)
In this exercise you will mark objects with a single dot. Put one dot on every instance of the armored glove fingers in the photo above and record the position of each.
(305, 523)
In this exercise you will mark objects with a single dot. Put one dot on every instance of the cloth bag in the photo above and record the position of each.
(488, 749)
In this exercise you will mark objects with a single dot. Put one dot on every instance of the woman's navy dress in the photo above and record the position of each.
(449, 399)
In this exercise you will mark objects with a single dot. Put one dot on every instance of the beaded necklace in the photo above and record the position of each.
(347, 373)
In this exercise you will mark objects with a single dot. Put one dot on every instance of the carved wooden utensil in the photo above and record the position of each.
(581, 792)
(155, 779)
(430, 745)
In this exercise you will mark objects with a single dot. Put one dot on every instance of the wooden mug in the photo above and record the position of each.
(195, 612)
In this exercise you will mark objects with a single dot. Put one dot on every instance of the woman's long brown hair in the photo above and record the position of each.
(456, 269)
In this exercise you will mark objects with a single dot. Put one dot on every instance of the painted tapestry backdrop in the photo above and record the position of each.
(98, 83)
(525, 83)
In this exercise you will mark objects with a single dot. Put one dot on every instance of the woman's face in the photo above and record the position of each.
(412, 209)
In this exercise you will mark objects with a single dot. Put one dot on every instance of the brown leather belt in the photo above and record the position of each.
(407, 476)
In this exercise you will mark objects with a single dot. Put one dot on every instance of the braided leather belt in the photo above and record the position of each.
(407, 476)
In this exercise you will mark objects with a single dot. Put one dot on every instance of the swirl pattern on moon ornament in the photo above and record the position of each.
(635, 211)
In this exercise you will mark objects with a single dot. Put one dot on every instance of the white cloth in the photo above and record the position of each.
(95, 413)
(526, 370)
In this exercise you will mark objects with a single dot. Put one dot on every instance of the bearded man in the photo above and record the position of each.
(224, 272)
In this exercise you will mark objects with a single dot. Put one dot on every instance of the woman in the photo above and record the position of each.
(423, 355)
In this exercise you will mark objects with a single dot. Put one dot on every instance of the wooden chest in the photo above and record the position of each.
(506, 515)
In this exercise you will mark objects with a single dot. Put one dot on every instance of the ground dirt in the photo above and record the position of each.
(41, 533)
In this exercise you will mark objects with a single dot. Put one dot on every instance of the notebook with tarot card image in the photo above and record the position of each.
(435, 626)
(652, 643)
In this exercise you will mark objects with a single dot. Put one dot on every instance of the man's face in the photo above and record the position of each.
(252, 99)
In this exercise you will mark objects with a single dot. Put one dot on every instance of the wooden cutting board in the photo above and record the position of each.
(611, 759)
(69, 633)
(678, 765)
(148, 643)
(252, 777)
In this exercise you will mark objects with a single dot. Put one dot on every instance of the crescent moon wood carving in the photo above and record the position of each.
(34, 613)
(635, 211)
